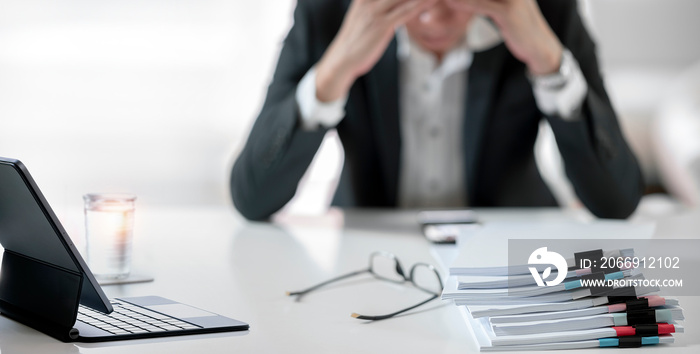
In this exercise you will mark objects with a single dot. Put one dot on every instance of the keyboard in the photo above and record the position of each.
(131, 319)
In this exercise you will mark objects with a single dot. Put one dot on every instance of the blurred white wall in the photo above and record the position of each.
(155, 97)
(644, 46)
(645, 33)
(151, 97)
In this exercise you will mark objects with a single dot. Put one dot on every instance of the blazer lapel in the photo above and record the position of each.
(383, 91)
(483, 77)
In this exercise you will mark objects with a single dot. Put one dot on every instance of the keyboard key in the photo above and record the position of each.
(128, 318)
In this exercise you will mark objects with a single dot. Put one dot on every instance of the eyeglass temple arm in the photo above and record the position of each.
(383, 317)
(302, 292)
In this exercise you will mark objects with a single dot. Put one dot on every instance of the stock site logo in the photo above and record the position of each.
(542, 256)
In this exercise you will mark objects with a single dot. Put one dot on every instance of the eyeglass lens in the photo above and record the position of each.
(426, 278)
(386, 266)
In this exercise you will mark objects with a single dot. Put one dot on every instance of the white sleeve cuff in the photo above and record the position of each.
(314, 112)
(567, 98)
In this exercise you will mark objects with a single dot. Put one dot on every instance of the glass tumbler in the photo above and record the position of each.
(109, 233)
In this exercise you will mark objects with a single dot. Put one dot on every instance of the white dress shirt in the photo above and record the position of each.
(432, 111)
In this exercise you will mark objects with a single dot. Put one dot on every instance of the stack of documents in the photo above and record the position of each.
(509, 309)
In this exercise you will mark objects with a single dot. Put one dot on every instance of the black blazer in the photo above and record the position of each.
(500, 127)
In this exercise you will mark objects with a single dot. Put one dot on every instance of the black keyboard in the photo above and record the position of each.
(128, 319)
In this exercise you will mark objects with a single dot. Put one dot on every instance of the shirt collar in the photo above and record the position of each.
(481, 35)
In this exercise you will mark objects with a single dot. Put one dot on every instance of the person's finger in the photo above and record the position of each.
(482, 7)
(388, 6)
(385, 6)
(401, 14)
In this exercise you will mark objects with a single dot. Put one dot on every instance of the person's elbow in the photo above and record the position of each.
(247, 205)
(252, 214)
(619, 205)
(622, 209)
(244, 197)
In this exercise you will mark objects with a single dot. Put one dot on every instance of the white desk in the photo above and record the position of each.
(209, 258)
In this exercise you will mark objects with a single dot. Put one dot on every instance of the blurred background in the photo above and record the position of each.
(156, 97)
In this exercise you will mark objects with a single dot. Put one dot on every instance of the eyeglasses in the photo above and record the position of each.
(385, 266)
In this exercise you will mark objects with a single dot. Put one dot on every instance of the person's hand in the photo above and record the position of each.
(365, 34)
(525, 31)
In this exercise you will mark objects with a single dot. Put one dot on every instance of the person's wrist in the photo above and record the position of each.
(555, 82)
(547, 61)
(333, 80)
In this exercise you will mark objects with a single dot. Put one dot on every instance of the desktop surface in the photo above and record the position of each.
(210, 258)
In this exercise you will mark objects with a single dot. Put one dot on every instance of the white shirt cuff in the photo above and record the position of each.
(564, 100)
(314, 112)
